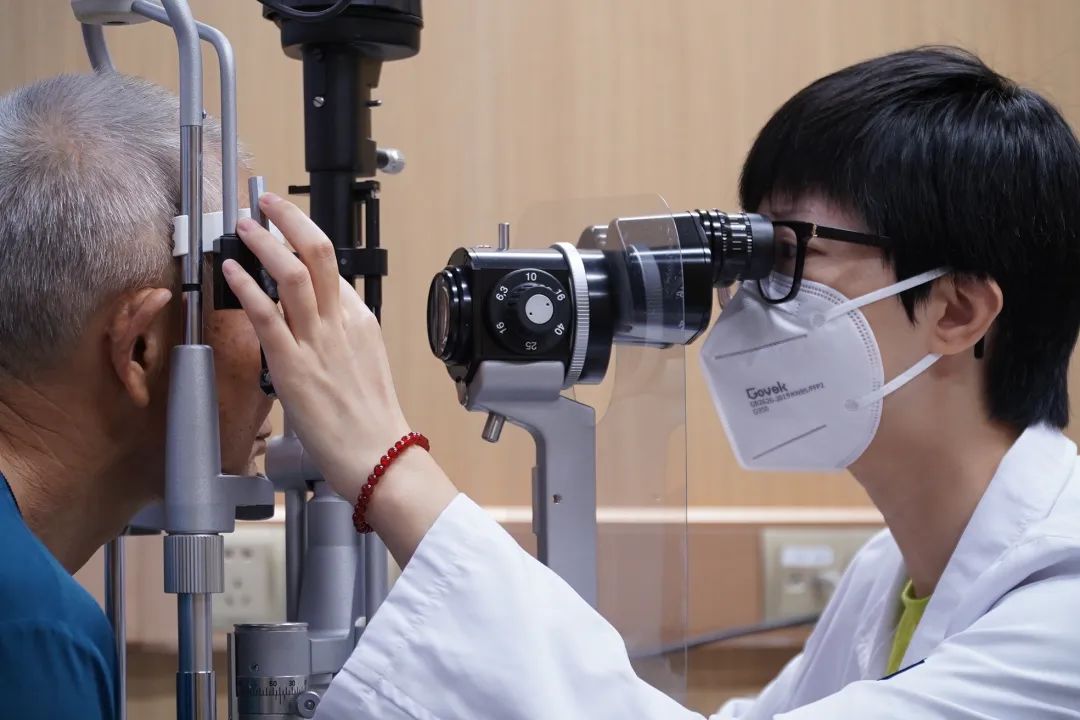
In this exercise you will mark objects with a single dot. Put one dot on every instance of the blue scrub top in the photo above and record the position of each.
(57, 658)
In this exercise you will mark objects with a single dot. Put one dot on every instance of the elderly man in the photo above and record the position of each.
(89, 309)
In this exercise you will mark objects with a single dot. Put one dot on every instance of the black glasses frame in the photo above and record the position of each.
(807, 231)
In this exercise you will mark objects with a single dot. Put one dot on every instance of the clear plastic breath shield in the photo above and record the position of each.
(642, 563)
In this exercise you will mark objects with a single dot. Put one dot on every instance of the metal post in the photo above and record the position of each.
(194, 569)
(115, 610)
(194, 561)
(191, 205)
(372, 283)
(195, 692)
(295, 534)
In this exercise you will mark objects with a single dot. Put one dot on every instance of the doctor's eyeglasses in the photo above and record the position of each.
(792, 241)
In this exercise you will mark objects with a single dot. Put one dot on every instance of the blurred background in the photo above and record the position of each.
(511, 103)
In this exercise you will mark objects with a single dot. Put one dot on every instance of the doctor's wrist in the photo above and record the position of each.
(408, 500)
(394, 453)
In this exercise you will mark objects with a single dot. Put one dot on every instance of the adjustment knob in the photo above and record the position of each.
(531, 308)
(529, 311)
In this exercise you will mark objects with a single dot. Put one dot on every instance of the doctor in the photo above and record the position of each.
(926, 297)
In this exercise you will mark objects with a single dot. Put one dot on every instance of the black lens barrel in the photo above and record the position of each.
(741, 244)
(642, 292)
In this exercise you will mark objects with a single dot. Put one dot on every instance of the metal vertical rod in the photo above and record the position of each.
(195, 675)
(196, 698)
(115, 610)
(194, 570)
(372, 283)
(191, 116)
(375, 560)
(332, 206)
(295, 531)
(191, 205)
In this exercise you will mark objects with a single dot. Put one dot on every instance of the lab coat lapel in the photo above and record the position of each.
(1022, 490)
(873, 635)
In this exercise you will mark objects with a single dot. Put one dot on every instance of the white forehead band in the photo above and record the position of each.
(212, 229)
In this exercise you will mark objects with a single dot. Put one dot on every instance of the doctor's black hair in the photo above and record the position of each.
(964, 169)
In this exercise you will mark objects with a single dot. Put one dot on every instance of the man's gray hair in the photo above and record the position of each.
(89, 185)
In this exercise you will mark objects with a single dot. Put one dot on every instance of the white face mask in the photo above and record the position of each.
(799, 386)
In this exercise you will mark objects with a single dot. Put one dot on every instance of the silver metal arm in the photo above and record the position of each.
(191, 74)
(564, 479)
(230, 156)
(96, 48)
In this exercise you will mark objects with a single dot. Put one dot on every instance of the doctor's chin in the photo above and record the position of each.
(408, 360)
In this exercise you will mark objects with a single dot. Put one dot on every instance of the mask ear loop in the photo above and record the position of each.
(888, 291)
(881, 294)
(895, 384)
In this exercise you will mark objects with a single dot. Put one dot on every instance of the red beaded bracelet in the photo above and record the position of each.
(406, 442)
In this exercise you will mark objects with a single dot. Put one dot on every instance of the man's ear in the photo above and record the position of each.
(139, 341)
(963, 310)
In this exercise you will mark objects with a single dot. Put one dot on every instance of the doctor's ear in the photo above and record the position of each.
(961, 311)
(139, 341)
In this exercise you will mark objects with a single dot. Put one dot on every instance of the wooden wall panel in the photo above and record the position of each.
(513, 103)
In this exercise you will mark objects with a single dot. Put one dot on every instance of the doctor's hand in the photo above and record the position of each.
(326, 355)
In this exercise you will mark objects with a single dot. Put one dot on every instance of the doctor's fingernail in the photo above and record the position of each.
(246, 224)
(269, 198)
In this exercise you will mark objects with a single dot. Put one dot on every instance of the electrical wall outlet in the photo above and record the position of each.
(803, 565)
(254, 576)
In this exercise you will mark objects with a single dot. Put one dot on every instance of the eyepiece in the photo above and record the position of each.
(741, 245)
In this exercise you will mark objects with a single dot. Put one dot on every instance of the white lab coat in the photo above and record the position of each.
(475, 628)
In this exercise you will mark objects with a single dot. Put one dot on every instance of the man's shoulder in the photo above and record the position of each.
(37, 595)
(55, 669)
(53, 635)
